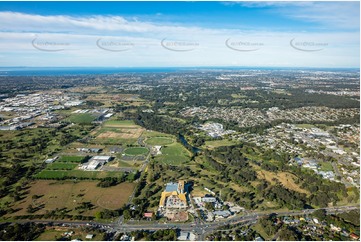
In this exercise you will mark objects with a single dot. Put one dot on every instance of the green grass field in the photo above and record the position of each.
(152, 133)
(83, 118)
(136, 151)
(159, 141)
(75, 159)
(48, 174)
(61, 166)
(217, 143)
(174, 154)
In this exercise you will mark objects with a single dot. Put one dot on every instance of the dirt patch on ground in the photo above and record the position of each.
(177, 216)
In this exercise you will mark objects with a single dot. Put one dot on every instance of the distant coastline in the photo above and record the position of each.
(70, 71)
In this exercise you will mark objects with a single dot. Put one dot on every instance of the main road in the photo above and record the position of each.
(208, 227)
(201, 229)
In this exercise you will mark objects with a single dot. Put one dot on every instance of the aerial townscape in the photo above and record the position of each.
(199, 153)
(94, 160)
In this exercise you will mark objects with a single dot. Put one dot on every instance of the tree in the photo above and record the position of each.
(98, 215)
(320, 214)
(267, 223)
(288, 234)
(126, 214)
(20, 232)
(30, 209)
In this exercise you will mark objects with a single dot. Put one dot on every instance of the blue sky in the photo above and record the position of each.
(143, 34)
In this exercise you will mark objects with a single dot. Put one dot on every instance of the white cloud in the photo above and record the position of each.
(117, 25)
(76, 39)
(337, 14)
(263, 4)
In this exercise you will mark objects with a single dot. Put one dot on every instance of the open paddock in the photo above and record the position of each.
(286, 178)
(69, 195)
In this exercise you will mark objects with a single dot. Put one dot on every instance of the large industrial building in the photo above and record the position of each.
(95, 162)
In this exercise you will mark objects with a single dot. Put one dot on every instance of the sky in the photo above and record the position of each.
(180, 34)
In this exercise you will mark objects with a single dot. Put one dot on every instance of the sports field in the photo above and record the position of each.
(136, 151)
(83, 118)
(174, 154)
(118, 132)
(61, 166)
(159, 141)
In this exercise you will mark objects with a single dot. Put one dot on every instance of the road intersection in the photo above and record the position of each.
(200, 228)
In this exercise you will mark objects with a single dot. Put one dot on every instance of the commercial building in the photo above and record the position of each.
(174, 196)
(186, 236)
(95, 162)
(222, 214)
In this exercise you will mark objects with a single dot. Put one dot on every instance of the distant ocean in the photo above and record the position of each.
(72, 71)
